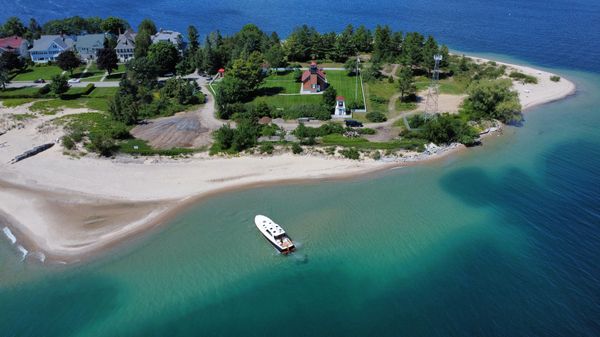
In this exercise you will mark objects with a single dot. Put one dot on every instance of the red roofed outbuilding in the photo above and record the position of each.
(314, 79)
(14, 44)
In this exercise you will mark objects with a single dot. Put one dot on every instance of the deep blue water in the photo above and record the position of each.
(556, 33)
(502, 240)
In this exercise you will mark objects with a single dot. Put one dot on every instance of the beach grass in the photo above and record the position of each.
(141, 147)
(378, 95)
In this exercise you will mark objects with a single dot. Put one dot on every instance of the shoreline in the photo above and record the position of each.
(87, 205)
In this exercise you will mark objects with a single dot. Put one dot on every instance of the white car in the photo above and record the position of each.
(74, 80)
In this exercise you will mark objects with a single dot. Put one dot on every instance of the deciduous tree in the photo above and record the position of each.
(68, 61)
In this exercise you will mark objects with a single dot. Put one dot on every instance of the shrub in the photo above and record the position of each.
(102, 144)
(350, 153)
(376, 117)
(266, 148)
(317, 111)
(377, 99)
(88, 89)
(554, 78)
(376, 155)
(366, 131)
(68, 142)
(44, 90)
(523, 77)
(296, 148)
(326, 129)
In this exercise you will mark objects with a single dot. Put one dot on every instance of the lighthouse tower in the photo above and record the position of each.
(340, 110)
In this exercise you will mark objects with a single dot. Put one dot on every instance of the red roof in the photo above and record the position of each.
(11, 42)
(340, 98)
(221, 70)
(307, 73)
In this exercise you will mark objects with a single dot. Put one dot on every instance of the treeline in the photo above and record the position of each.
(75, 25)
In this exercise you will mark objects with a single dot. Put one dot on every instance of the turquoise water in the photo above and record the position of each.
(500, 240)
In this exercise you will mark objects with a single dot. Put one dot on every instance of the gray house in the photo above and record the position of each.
(169, 36)
(125, 45)
(48, 47)
(88, 45)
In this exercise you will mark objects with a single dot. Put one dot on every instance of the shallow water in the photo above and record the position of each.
(498, 240)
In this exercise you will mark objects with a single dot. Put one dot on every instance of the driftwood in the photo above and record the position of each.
(32, 152)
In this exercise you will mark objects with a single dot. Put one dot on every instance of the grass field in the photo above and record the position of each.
(451, 86)
(98, 99)
(33, 73)
(378, 95)
(95, 75)
(278, 84)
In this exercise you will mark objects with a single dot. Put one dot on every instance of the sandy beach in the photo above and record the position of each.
(64, 208)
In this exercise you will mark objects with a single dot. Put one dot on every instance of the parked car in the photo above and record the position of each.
(353, 124)
(40, 80)
(74, 80)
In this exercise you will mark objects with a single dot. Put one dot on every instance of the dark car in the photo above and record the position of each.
(40, 80)
(353, 124)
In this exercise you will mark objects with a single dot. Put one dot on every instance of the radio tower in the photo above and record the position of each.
(431, 103)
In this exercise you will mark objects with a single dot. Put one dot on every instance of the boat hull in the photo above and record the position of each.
(269, 229)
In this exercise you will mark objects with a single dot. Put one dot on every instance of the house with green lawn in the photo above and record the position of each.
(48, 47)
(88, 45)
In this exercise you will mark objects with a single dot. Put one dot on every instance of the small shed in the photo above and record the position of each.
(221, 72)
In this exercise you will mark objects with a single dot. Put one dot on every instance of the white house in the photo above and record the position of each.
(340, 110)
(48, 47)
(125, 45)
(169, 36)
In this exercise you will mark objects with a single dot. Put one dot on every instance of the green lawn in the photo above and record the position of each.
(13, 102)
(24, 92)
(95, 75)
(378, 95)
(451, 86)
(33, 73)
(277, 84)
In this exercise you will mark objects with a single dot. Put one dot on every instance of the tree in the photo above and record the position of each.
(351, 66)
(114, 25)
(330, 97)
(4, 78)
(59, 84)
(493, 99)
(34, 30)
(11, 61)
(445, 56)
(430, 49)
(147, 26)
(412, 54)
(165, 55)
(142, 44)
(229, 91)
(107, 59)
(406, 83)
(142, 71)
(68, 61)
(249, 71)
(124, 108)
(382, 44)
(372, 72)
(362, 39)
(193, 37)
(444, 129)
(13, 26)
(275, 56)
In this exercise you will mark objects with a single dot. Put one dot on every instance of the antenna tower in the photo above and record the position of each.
(431, 103)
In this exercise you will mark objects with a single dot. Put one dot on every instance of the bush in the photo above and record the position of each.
(377, 99)
(88, 89)
(296, 148)
(326, 129)
(350, 153)
(44, 90)
(102, 144)
(366, 131)
(376, 155)
(68, 142)
(266, 148)
(376, 117)
(523, 77)
(317, 111)
(554, 78)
